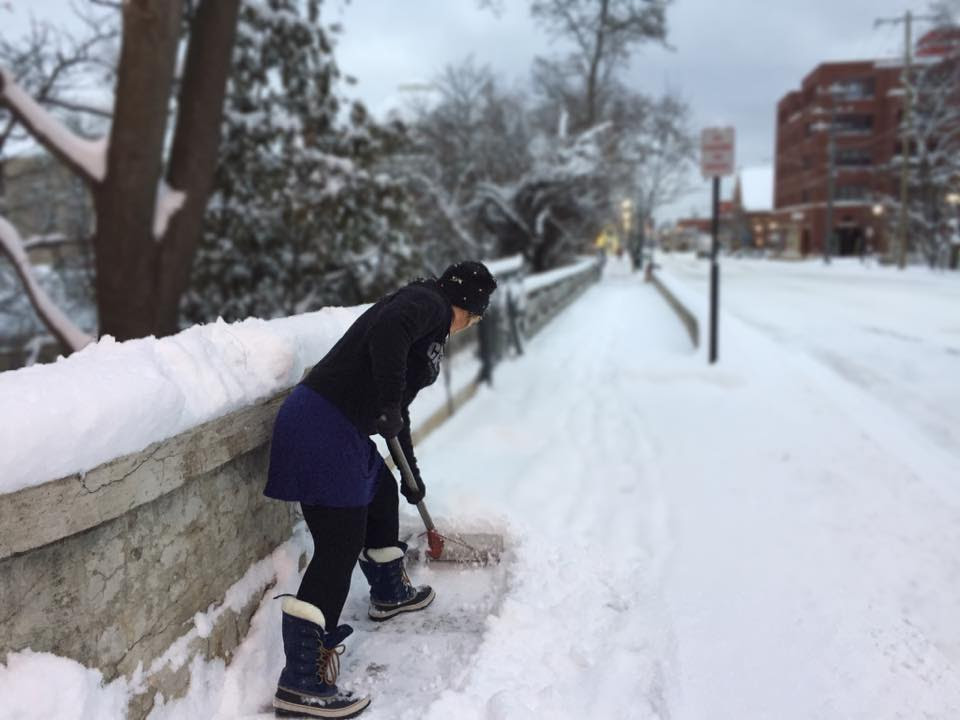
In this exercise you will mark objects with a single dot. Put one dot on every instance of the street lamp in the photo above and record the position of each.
(953, 198)
(878, 211)
(626, 215)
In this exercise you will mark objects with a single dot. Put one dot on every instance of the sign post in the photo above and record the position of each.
(716, 160)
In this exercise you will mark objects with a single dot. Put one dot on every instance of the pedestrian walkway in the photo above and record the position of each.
(736, 542)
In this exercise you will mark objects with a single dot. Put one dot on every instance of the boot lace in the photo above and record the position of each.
(328, 663)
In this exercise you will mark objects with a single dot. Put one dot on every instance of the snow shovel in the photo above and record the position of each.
(478, 548)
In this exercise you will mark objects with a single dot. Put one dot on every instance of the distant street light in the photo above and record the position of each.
(878, 210)
(626, 215)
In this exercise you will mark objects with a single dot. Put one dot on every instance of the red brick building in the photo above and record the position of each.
(864, 100)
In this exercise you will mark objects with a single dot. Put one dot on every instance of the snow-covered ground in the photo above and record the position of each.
(766, 538)
(894, 333)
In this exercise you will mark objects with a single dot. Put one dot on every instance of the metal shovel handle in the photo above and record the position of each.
(407, 473)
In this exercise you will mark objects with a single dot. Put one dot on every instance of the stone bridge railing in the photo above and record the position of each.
(109, 568)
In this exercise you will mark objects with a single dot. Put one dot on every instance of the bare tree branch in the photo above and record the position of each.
(83, 157)
(68, 334)
(79, 107)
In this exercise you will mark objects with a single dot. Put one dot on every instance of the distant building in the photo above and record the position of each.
(863, 98)
(860, 105)
(752, 224)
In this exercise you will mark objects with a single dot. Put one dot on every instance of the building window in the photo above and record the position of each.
(856, 89)
(852, 192)
(853, 123)
(853, 157)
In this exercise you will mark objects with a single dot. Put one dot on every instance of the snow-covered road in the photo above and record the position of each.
(759, 539)
(895, 334)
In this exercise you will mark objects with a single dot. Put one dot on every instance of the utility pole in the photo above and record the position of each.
(907, 21)
(831, 171)
(714, 270)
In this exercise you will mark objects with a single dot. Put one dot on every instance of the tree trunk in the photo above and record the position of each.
(196, 145)
(127, 253)
(598, 51)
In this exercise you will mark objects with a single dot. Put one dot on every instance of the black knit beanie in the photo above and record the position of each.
(468, 285)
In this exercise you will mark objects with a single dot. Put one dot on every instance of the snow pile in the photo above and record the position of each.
(111, 399)
(27, 679)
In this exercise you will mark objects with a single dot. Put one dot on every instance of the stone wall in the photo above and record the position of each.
(110, 567)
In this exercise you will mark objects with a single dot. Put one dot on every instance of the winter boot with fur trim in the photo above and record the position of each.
(308, 683)
(391, 591)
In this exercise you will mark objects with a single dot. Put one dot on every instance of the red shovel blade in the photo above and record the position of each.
(435, 543)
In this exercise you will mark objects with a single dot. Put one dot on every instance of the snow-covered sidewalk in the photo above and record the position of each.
(762, 539)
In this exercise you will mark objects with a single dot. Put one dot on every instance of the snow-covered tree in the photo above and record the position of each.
(932, 129)
(474, 132)
(554, 210)
(40, 198)
(934, 177)
(603, 34)
(653, 154)
(304, 213)
(149, 186)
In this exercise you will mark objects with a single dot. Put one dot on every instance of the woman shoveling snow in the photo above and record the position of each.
(323, 458)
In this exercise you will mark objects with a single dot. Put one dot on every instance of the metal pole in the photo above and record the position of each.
(714, 270)
(831, 161)
(905, 146)
(907, 21)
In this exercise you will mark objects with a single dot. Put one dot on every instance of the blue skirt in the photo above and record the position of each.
(318, 457)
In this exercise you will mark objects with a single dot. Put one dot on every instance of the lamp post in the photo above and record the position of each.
(953, 199)
(878, 212)
(797, 218)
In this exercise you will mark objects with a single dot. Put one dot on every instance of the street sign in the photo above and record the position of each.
(716, 151)
(716, 160)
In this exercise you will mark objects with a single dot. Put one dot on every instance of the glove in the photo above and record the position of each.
(390, 422)
(413, 496)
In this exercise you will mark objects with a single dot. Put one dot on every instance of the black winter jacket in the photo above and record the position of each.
(391, 352)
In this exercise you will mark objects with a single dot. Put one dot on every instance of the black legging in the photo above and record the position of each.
(339, 534)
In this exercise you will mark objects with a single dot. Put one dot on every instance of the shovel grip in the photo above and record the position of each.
(407, 474)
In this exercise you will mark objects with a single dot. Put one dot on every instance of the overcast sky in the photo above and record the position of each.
(731, 60)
